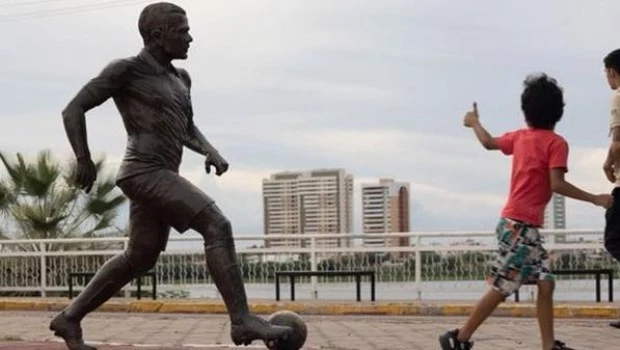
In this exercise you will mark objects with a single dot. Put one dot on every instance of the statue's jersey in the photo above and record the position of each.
(155, 104)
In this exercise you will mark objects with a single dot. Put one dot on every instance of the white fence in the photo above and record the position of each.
(429, 265)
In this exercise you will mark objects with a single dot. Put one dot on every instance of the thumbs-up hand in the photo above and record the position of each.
(471, 117)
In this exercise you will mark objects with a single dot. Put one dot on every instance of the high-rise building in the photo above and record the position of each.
(385, 209)
(308, 202)
(555, 215)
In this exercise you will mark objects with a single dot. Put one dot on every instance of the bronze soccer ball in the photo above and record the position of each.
(290, 319)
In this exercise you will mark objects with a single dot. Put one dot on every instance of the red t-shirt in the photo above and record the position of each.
(534, 153)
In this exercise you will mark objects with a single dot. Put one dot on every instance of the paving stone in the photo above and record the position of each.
(118, 331)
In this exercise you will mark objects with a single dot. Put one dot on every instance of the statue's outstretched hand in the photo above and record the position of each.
(86, 174)
(218, 162)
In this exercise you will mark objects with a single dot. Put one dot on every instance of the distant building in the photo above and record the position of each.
(308, 202)
(555, 215)
(385, 208)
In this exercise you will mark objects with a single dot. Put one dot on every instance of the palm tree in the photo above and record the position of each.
(40, 202)
(5, 199)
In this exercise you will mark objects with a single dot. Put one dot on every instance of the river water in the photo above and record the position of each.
(573, 290)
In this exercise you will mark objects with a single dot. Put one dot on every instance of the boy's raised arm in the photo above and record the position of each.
(472, 120)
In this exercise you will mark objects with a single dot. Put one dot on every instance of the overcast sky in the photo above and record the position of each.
(376, 87)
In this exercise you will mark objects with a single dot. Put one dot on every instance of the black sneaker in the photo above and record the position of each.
(450, 341)
(558, 345)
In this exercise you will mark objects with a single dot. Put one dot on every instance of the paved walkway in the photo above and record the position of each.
(181, 331)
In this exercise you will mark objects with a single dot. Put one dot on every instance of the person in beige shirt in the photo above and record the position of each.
(612, 163)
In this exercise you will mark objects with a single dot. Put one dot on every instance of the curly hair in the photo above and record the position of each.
(542, 101)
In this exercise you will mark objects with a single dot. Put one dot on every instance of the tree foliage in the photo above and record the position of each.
(38, 200)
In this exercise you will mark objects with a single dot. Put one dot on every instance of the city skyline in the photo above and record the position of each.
(315, 201)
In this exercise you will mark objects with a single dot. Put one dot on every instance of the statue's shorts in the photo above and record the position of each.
(160, 200)
(521, 257)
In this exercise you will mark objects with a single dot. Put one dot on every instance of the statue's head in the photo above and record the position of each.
(164, 25)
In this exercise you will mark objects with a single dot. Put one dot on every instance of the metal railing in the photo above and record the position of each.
(434, 264)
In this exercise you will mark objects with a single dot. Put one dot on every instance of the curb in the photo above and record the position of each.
(598, 310)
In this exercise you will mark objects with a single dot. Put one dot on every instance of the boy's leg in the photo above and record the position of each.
(540, 263)
(544, 311)
(537, 268)
(484, 308)
(506, 278)
(459, 339)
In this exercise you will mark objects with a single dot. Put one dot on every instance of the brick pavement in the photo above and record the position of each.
(325, 332)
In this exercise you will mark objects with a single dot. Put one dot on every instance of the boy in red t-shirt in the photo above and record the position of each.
(539, 162)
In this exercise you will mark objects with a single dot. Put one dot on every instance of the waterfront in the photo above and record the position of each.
(567, 290)
(443, 271)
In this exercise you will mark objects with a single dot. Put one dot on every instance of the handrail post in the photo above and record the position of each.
(127, 288)
(418, 265)
(43, 264)
(551, 239)
(313, 268)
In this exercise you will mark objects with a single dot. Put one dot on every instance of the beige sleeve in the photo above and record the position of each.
(615, 112)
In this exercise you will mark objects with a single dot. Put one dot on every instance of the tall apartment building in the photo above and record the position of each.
(555, 215)
(385, 208)
(308, 202)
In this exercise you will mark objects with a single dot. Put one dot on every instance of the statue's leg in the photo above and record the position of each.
(148, 236)
(184, 206)
(226, 273)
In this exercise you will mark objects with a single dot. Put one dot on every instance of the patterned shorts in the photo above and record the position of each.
(521, 257)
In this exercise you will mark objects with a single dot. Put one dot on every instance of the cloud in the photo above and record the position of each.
(376, 88)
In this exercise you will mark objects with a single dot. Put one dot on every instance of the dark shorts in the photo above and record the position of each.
(612, 224)
(521, 257)
(158, 201)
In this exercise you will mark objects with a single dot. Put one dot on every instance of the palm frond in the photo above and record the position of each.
(41, 176)
(15, 171)
(7, 197)
(99, 206)
(40, 200)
